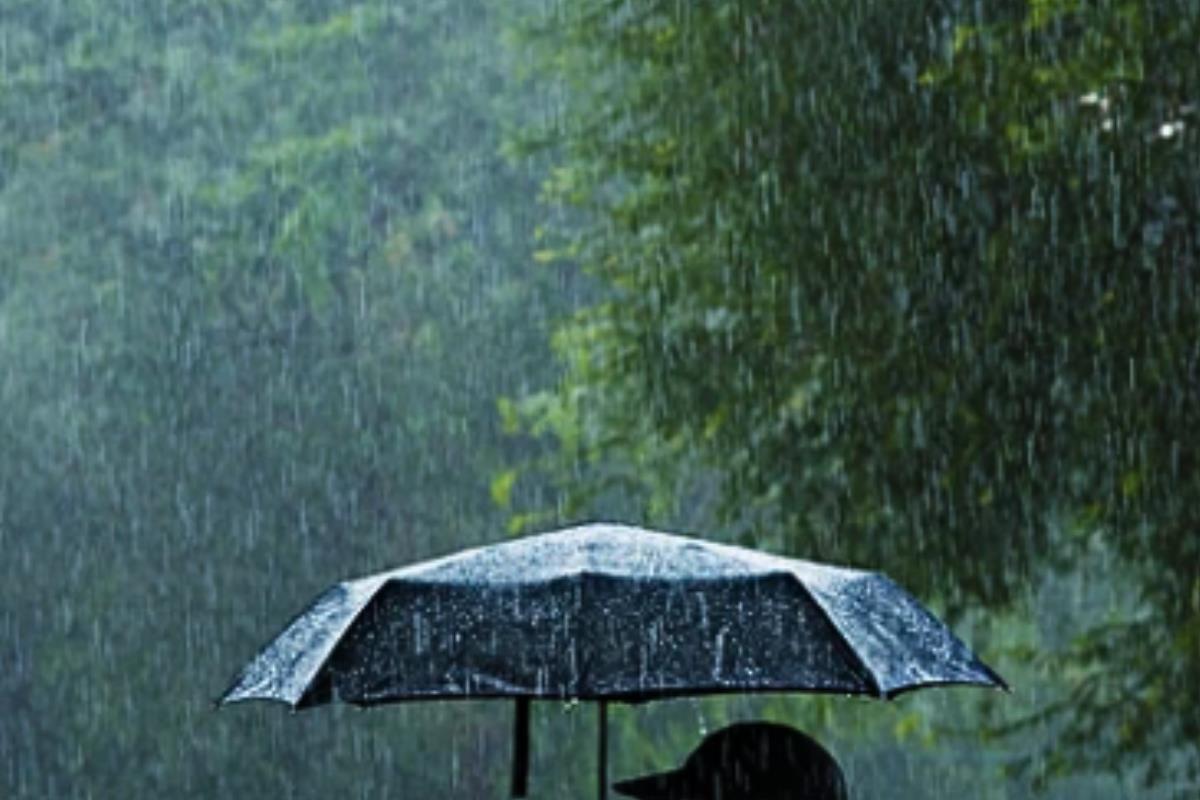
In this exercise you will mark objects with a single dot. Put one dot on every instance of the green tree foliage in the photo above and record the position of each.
(917, 283)
(263, 273)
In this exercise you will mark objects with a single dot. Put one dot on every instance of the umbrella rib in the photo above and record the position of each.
(266, 650)
(323, 669)
(855, 658)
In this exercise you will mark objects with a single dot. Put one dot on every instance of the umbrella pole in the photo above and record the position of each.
(602, 750)
(520, 773)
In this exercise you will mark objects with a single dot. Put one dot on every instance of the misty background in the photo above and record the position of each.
(292, 292)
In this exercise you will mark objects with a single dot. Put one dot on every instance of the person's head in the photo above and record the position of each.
(747, 761)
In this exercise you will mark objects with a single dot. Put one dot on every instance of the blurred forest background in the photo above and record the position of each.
(297, 291)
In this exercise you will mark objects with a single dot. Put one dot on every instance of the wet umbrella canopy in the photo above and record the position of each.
(606, 612)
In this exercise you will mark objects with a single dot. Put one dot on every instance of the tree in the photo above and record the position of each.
(917, 283)
(264, 274)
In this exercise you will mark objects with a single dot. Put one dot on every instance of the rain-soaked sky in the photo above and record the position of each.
(295, 293)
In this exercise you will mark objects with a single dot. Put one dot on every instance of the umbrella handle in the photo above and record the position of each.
(520, 774)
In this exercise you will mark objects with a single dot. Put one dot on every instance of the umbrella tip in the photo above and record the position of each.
(997, 681)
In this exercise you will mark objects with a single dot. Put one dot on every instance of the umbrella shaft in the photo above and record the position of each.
(602, 750)
(520, 773)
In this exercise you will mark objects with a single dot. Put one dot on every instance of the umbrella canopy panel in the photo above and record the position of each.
(592, 637)
(607, 612)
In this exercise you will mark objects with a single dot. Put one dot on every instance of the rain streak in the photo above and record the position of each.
(648, 398)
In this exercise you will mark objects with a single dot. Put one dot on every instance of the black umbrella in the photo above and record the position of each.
(606, 612)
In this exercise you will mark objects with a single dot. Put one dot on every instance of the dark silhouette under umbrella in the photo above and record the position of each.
(606, 612)
(747, 761)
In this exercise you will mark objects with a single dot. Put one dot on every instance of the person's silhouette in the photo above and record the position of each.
(747, 761)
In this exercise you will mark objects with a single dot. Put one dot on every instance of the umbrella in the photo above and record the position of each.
(606, 612)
